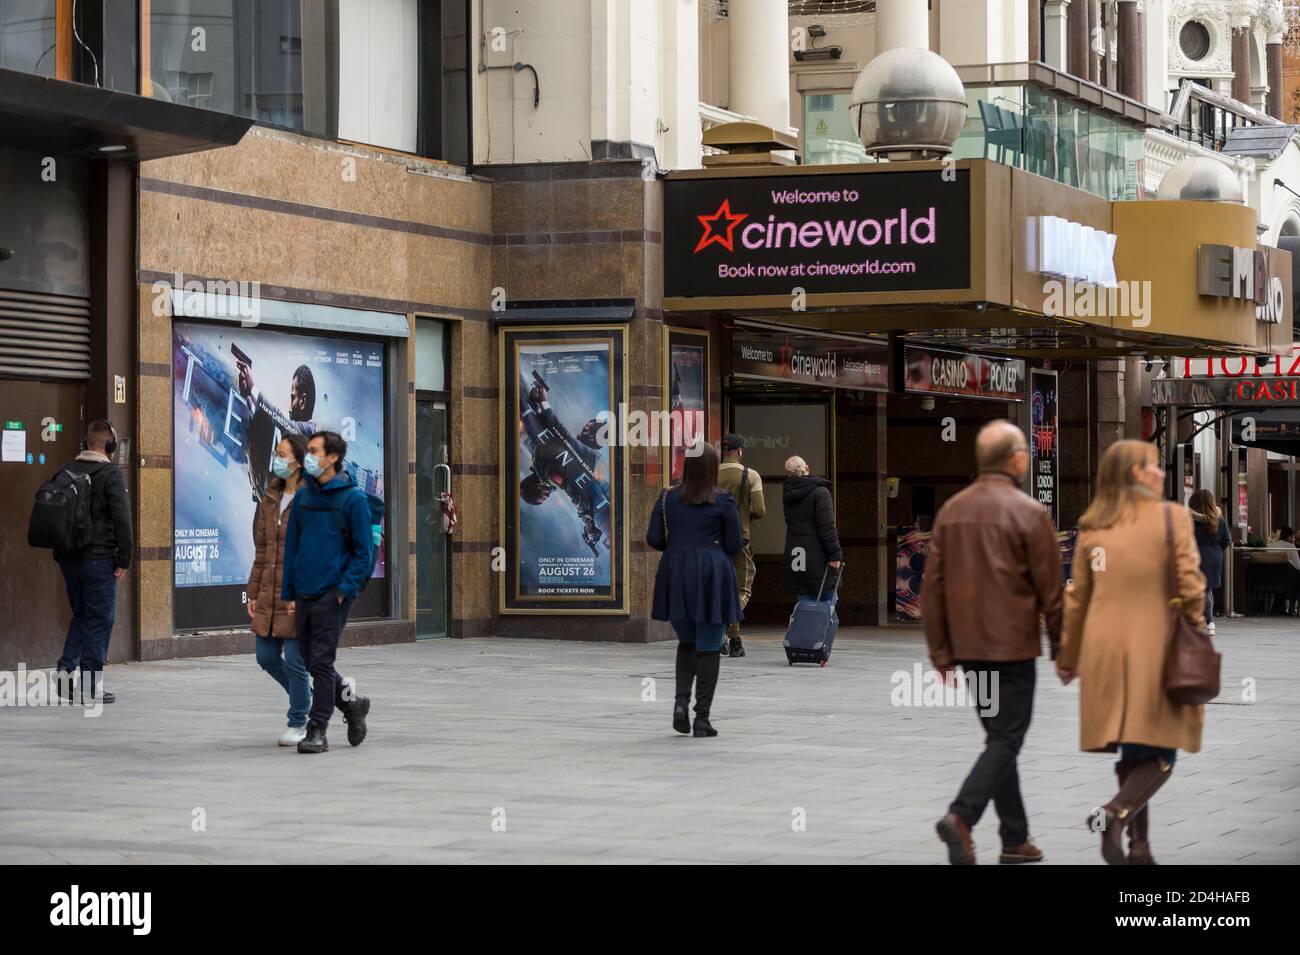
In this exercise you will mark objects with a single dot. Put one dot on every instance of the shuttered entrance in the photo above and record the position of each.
(44, 336)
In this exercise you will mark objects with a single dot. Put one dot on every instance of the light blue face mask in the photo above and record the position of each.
(281, 468)
(311, 464)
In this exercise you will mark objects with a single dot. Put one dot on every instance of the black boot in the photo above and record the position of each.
(355, 716)
(63, 687)
(315, 741)
(707, 665)
(91, 678)
(685, 671)
(737, 648)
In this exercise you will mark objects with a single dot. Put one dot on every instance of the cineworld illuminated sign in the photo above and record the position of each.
(828, 361)
(1225, 271)
(771, 235)
(933, 371)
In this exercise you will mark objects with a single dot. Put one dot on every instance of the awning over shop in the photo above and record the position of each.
(1277, 429)
(59, 117)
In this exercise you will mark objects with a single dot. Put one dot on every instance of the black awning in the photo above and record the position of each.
(579, 311)
(40, 113)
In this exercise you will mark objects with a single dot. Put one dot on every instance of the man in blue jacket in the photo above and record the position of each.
(327, 559)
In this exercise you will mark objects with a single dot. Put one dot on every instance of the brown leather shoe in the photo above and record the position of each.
(955, 834)
(1019, 855)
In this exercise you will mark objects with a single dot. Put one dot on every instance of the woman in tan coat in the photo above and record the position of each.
(278, 652)
(1115, 634)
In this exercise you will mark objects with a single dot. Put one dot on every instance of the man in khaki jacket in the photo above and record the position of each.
(993, 567)
(746, 487)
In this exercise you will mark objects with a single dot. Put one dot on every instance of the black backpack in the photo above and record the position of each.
(61, 517)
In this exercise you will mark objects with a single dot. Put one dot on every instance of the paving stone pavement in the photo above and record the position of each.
(556, 741)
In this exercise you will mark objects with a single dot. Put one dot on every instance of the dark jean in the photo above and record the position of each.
(994, 775)
(318, 624)
(1140, 753)
(92, 594)
(282, 659)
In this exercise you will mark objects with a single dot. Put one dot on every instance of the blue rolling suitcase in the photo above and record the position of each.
(812, 628)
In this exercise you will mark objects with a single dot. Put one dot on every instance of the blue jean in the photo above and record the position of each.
(706, 637)
(92, 595)
(1140, 753)
(282, 658)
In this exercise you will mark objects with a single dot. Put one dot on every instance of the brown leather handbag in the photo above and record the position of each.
(1192, 664)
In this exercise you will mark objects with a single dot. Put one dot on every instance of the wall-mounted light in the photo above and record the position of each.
(818, 53)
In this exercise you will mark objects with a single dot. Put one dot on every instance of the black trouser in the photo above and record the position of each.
(318, 624)
(994, 775)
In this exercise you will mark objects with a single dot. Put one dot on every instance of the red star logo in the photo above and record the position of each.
(713, 234)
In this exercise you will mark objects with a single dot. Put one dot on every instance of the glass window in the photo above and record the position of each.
(430, 355)
(27, 36)
(828, 134)
(345, 69)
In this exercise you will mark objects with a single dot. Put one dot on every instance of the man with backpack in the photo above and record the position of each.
(83, 514)
(746, 487)
(328, 557)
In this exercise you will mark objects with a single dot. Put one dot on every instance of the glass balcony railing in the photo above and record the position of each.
(1046, 133)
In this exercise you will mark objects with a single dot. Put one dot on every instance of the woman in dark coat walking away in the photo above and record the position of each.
(809, 534)
(697, 527)
(1212, 540)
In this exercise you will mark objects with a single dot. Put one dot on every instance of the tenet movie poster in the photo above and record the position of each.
(236, 391)
(564, 467)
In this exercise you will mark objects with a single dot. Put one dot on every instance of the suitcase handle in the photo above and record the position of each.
(839, 574)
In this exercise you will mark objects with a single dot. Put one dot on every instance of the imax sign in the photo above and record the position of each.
(1075, 251)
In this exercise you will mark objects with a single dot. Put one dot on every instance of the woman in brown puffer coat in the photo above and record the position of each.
(278, 652)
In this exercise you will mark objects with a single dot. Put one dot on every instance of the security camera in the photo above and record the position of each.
(927, 404)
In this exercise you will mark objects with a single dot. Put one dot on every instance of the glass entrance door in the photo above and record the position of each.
(432, 543)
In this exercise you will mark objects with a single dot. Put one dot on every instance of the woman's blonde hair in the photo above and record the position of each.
(1116, 488)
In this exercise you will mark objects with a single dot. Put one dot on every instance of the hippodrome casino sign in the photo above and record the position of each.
(864, 232)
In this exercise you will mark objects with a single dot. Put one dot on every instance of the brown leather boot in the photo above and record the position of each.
(1139, 849)
(1138, 785)
(955, 834)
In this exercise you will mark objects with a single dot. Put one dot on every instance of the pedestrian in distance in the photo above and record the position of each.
(812, 543)
(327, 559)
(278, 651)
(1136, 557)
(1212, 542)
(697, 528)
(992, 570)
(91, 571)
(746, 486)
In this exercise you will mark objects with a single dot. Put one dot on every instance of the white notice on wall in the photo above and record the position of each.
(15, 446)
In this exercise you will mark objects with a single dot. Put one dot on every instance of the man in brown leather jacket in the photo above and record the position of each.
(992, 569)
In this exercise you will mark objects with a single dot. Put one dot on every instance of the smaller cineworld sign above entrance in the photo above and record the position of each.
(1226, 271)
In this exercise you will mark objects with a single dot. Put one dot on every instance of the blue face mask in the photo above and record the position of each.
(281, 468)
(313, 466)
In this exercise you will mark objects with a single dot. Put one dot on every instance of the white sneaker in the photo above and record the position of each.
(1209, 627)
(293, 736)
